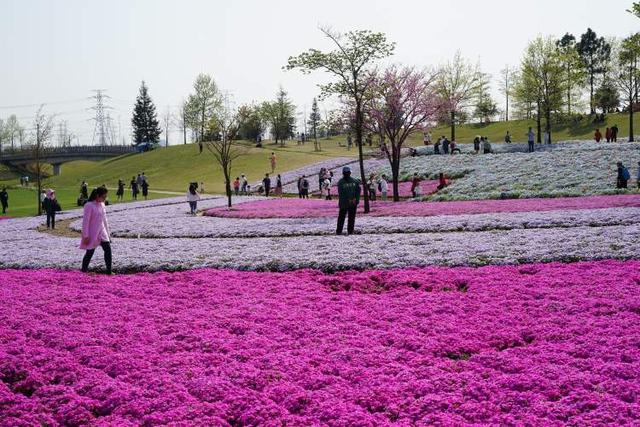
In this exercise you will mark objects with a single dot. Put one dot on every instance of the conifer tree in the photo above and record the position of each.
(146, 127)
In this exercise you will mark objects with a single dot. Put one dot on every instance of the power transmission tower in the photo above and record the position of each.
(102, 131)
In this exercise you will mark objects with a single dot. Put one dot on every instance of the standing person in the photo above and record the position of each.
(442, 181)
(597, 136)
(614, 133)
(84, 190)
(192, 198)
(321, 175)
(272, 159)
(51, 206)
(43, 197)
(445, 145)
(299, 187)
(236, 186)
(143, 178)
(507, 138)
(415, 184)
(371, 186)
(139, 181)
(304, 187)
(607, 134)
(436, 146)
(326, 187)
(623, 176)
(95, 229)
(348, 200)
(244, 184)
(200, 146)
(145, 189)
(266, 184)
(349, 142)
(531, 137)
(383, 186)
(426, 139)
(638, 177)
(120, 191)
(133, 185)
(454, 147)
(476, 144)
(4, 199)
(201, 187)
(547, 137)
(278, 190)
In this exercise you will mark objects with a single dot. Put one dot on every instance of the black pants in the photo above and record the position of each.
(51, 220)
(531, 147)
(4, 208)
(622, 183)
(267, 190)
(106, 247)
(351, 222)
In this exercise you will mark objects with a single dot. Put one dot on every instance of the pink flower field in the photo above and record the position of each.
(542, 344)
(404, 188)
(315, 208)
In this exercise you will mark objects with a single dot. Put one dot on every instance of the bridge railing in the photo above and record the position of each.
(9, 154)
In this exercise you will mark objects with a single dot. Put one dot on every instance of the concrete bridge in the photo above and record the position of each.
(56, 156)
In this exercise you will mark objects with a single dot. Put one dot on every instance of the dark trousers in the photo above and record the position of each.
(4, 208)
(51, 220)
(106, 247)
(267, 190)
(531, 147)
(193, 206)
(351, 222)
(622, 183)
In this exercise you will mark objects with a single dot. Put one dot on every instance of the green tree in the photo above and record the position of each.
(281, 116)
(635, 9)
(572, 64)
(595, 53)
(486, 108)
(314, 123)
(542, 69)
(202, 106)
(144, 121)
(524, 96)
(350, 63)
(251, 122)
(607, 96)
(626, 79)
(459, 83)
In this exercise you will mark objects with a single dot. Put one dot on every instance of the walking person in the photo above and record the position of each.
(4, 199)
(623, 176)
(507, 138)
(84, 190)
(614, 133)
(426, 140)
(445, 145)
(95, 229)
(193, 197)
(436, 146)
(266, 184)
(139, 181)
(278, 190)
(531, 137)
(51, 206)
(348, 200)
(486, 145)
(236, 186)
(415, 185)
(607, 134)
(145, 189)
(476, 144)
(326, 188)
(383, 186)
(120, 191)
(272, 159)
(245, 185)
(371, 185)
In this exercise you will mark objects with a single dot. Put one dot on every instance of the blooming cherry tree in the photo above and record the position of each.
(402, 102)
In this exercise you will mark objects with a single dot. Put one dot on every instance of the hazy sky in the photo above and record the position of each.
(56, 52)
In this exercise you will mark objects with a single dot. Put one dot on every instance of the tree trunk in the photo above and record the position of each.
(568, 88)
(202, 126)
(453, 125)
(359, 124)
(592, 104)
(395, 172)
(631, 74)
(548, 122)
(539, 125)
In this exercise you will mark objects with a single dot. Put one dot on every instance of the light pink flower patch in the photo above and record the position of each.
(541, 344)
(4, 217)
(315, 208)
(427, 187)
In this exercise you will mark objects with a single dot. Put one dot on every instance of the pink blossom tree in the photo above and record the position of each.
(403, 101)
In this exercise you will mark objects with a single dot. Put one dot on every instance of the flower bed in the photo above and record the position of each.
(404, 189)
(533, 345)
(310, 208)
(4, 217)
(571, 169)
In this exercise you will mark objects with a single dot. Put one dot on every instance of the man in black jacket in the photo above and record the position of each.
(348, 200)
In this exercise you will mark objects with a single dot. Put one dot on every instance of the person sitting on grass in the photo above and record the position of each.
(348, 200)
(95, 229)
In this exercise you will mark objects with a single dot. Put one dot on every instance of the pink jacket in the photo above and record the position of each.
(94, 225)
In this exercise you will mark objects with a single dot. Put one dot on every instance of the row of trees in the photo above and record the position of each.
(11, 132)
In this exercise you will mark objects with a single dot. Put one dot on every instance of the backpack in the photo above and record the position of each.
(625, 174)
(379, 186)
(305, 184)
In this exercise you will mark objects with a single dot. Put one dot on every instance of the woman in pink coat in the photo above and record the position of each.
(95, 229)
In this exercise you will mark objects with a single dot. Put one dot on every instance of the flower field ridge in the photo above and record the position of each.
(312, 208)
(539, 344)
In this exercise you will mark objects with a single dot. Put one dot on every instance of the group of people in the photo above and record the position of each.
(448, 147)
(136, 184)
(266, 185)
(610, 134)
(482, 142)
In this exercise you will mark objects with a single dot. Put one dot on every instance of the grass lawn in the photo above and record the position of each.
(23, 201)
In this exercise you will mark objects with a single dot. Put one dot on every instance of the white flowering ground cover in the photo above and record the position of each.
(570, 169)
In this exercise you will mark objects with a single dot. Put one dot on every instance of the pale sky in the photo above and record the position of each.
(56, 52)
